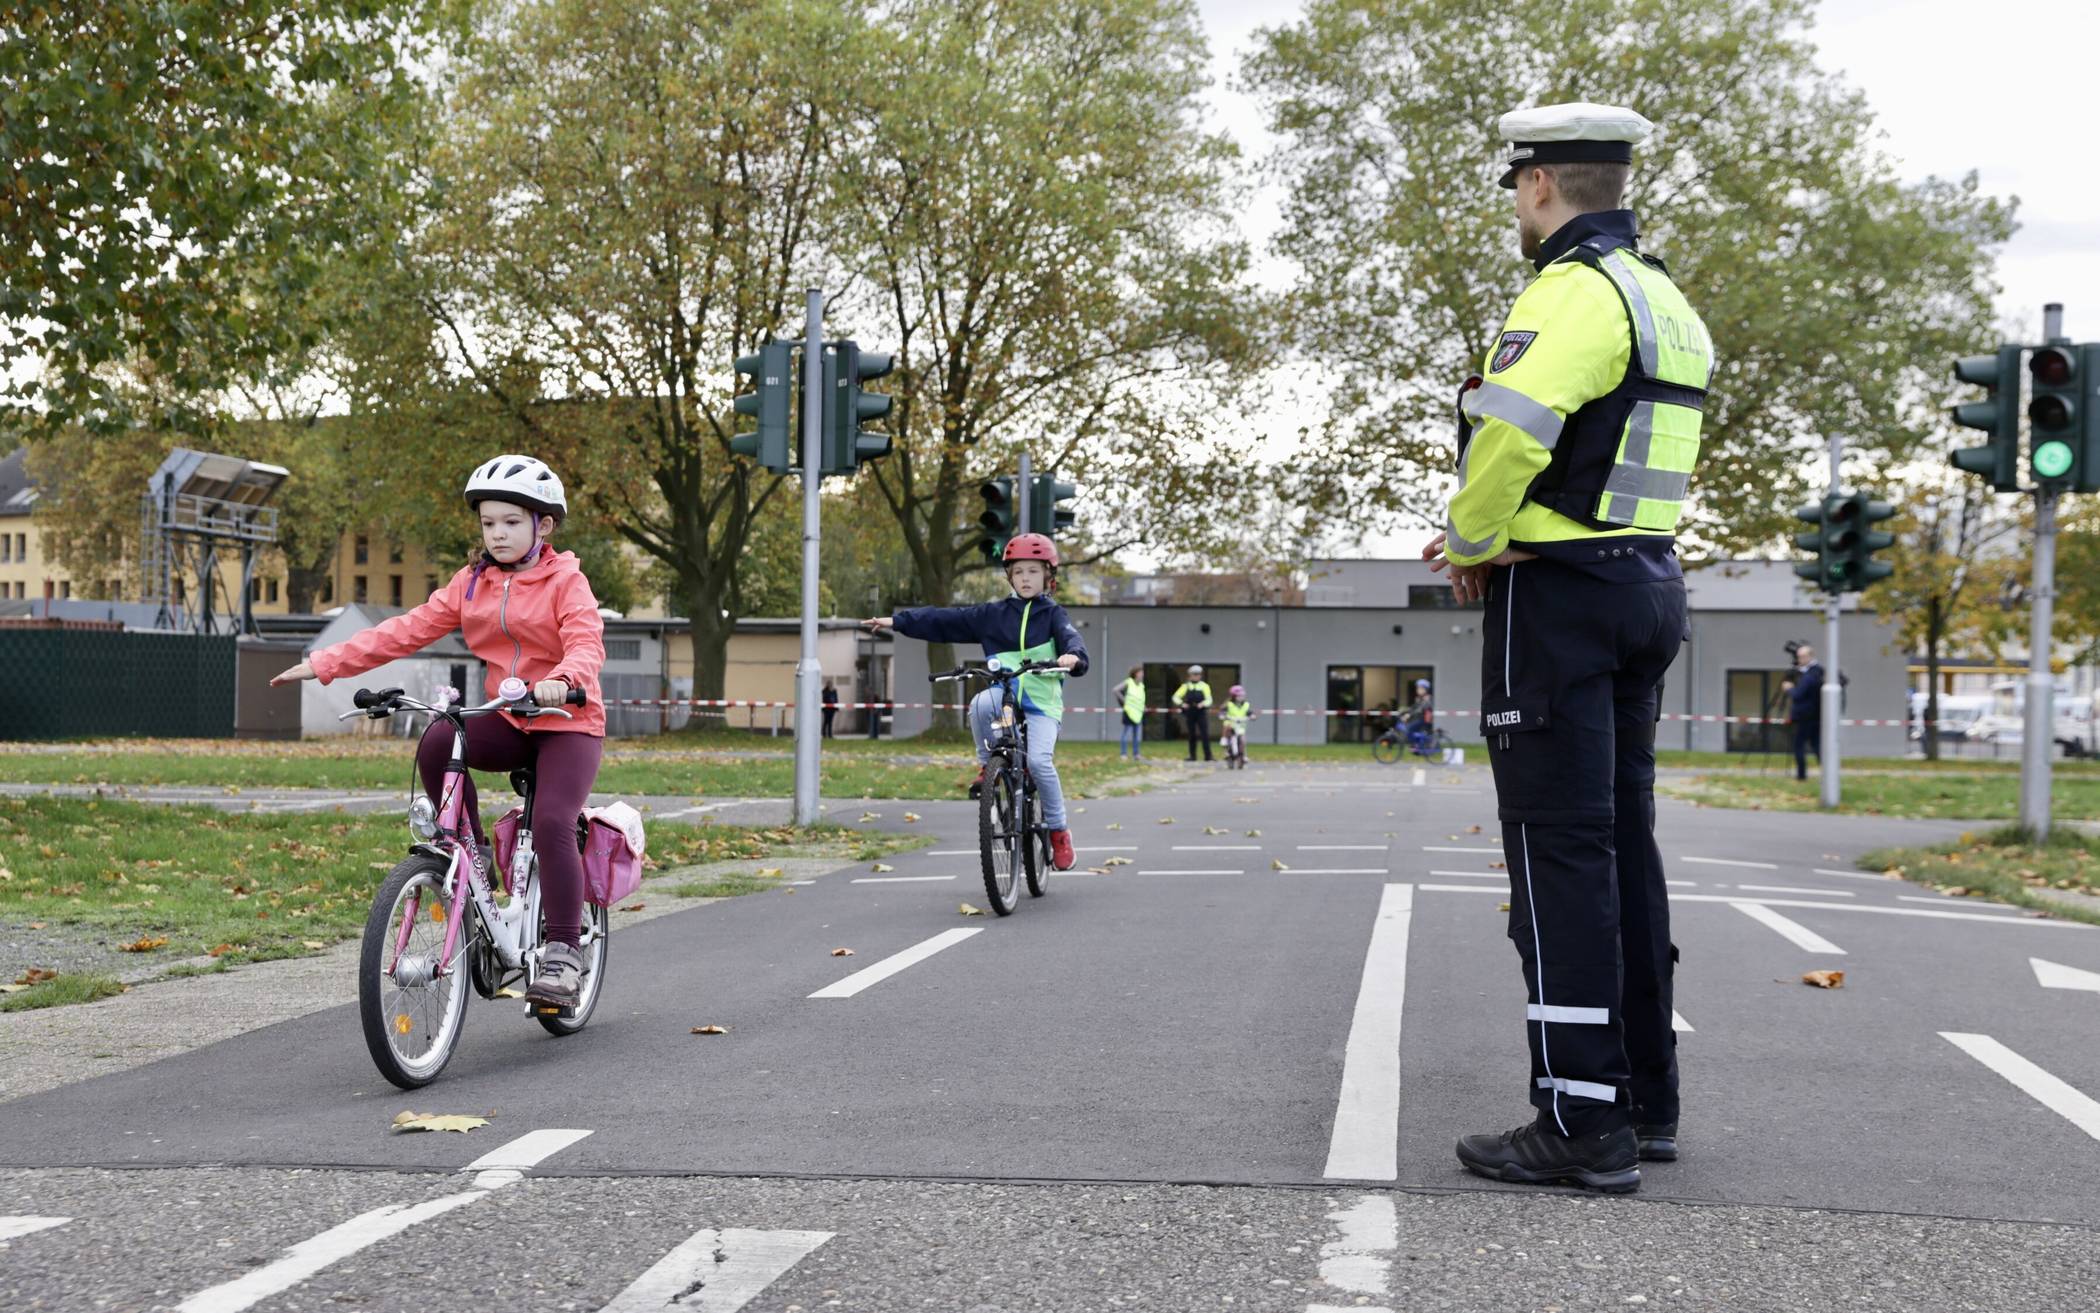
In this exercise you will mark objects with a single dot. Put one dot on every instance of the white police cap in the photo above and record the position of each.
(1579, 132)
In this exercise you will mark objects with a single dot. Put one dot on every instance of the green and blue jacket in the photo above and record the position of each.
(1012, 630)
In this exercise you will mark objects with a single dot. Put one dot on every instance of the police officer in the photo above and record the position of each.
(1577, 442)
(1193, 697)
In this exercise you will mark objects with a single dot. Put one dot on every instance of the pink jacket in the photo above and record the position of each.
(539, 623)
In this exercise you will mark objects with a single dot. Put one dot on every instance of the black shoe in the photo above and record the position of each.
(977, 785)
(1658, 1141)
(1532, 1155)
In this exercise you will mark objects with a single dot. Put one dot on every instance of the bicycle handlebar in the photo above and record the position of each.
(387, 701)
(1025, 668)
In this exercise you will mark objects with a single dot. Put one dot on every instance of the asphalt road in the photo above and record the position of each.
(1169, 1085)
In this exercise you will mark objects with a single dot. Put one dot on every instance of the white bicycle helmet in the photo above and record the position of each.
(1195, 670)
(523, 480)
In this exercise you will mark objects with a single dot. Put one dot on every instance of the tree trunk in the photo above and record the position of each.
(1931, 735)
(709, 631)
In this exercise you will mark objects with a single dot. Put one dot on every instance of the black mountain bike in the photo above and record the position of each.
(1011, 841)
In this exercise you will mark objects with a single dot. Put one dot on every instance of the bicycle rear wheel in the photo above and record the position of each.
(999, 835)
(596, 948)
(1385, 749)
(411, 1014)
(1442, 745)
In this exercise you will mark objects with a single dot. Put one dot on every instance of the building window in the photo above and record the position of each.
(1435, 597)
(65, 588)
(271, 590)
(1756, 693)
(362, 553)
(623, 649)
(1380, 693)
(393, 553)
(393, 590)
(21, 547)
(7, 547)
(255, 590)
(327, 592)
(357, 589)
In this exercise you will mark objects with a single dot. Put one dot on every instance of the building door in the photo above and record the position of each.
(1756, 693)
(1381, 693)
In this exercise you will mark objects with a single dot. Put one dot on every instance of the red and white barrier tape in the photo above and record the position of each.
(1171, 711)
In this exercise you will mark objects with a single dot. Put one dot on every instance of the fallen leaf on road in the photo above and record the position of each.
(145, 944)
(1958, 891)
(710, 1030)
(842, 952)
(36, 925)
(1498, 866)
(509, 993)
(1097, 870)
(1212, 829)
(1246, 800)
(1824, 979)
(968, 910)
(881, 867)
(1117, 861)
(1166, 820)
(1502, 907)
(1115, 825)
(1472, 829)
(911, 816)
(430, 1121)
(1278, 866)
(1254, 834)
(871, 816)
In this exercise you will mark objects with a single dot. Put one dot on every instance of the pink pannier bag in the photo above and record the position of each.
(613, 847)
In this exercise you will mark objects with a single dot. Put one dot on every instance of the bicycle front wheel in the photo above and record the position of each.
(1385, 749)
(999, 835)
(411, 1011)
(1035, 850)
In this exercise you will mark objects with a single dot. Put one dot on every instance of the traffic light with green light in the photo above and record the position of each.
(770, 401)
(999, 518)
(1997, 415)
(1045, 516)
(2063, 417)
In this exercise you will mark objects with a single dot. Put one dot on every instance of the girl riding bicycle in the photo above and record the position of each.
(525, 610)
(1025, 627)
(1238, 711)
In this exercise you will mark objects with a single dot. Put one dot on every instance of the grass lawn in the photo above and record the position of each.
(1977, 795)
(632, 766)
(2003, 865)
(180, 882)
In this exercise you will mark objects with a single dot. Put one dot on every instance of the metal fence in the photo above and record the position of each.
(74, 683)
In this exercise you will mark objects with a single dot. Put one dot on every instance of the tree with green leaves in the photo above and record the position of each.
(1834, 291)
(1042, 231)
(179, 172)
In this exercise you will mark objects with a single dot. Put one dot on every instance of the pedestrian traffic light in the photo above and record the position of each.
(998, 518)
(1820, 571)
(1998, 415)
(2057, 416)
(1045, 516)
(771, 402)
(847, 407)
(1854, 536)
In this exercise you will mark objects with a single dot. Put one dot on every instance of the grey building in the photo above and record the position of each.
(1369, 629)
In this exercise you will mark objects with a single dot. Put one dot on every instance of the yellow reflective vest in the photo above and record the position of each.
(1586, 420)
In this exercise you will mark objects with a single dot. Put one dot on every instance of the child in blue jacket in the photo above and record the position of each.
(1025, 627)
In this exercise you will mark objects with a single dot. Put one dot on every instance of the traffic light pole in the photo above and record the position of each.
(1024, 496)
(2038, 734)
(1833, 687)
(809, 673)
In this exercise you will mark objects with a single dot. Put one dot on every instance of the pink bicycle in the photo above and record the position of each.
(436, 912)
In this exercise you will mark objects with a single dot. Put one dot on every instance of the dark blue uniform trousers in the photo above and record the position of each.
(1572, 669)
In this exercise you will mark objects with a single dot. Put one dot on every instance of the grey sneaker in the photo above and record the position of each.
(560, 979)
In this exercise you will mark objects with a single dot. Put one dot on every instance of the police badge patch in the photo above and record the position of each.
(1510, 350)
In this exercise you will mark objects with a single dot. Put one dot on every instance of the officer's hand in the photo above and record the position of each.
(1469, 584)
(1433, 552)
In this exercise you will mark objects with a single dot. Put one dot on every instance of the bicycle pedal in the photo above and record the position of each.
(552, 1010)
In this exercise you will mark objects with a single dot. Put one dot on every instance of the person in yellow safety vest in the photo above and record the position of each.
(1237, 712)
(1193, 700)
(1132, 694)
(1577, 442)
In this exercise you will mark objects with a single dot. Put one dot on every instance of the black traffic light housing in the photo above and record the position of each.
(1844, 542)
(772, 402)
(1045, 516)
(2063, 426)
(1997, 415)
(847, 406)
(999, 519)
(1818, 571)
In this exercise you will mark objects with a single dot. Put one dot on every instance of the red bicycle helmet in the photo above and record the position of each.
(1031, 547)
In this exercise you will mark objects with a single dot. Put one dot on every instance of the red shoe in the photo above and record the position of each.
(977, 785)
(1061, 850)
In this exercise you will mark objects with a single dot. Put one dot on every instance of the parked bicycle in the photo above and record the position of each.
(1012, 843)
(436, 912)
(1428, 744)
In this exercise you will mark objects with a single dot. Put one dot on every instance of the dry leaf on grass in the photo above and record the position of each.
(968, 910)
(710, 1030)
(1117, 861)
(146, 944)
(771, 872)
(431, 1121)
(881, 867)
(1824, 979)
(311, 943)
(35, 976)
(634, 907)
(842, 952)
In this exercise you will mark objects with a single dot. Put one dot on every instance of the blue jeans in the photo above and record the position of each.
(1133, 738)
(1042, 747)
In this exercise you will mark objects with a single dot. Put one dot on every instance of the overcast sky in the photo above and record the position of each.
(1955, 85)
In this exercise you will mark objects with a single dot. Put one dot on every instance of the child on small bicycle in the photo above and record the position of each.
(525, 610)
(1238, 711)
(1027, 626)
(1420, 713)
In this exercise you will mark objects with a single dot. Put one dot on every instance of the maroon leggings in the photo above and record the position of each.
(564, 766)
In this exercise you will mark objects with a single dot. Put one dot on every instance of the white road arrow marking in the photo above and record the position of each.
(716, 1271)
(2055, 975)
(2048, 1090)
